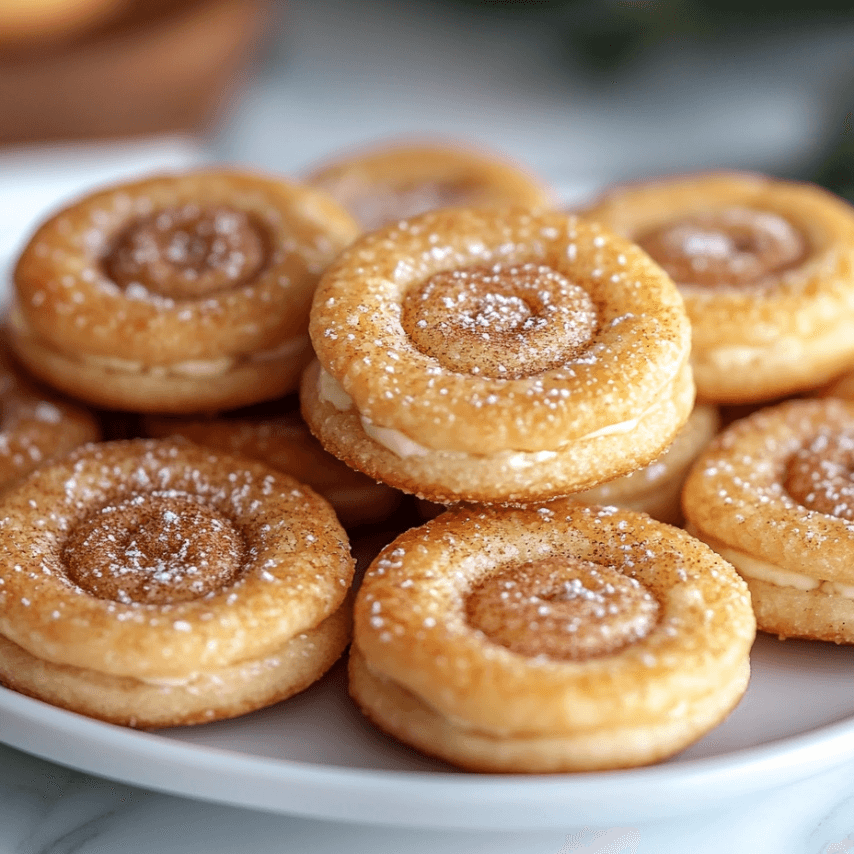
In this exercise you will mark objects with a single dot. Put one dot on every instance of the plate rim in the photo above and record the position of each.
(435, 799)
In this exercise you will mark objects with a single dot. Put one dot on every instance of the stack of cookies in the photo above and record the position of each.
(766, 268)
(455, 337)
(500, 359)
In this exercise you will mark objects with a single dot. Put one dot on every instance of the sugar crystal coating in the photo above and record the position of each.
(820, 475)
(562, 608)
(732, 247)
(504, 321)
(188, 252)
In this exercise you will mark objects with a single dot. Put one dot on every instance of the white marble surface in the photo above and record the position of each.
(47, 809)
(345, 73)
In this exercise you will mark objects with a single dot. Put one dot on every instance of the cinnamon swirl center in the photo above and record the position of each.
(187, 252)
(562, 608)
(736, 246)
(156, 549)
(820, 476)
(502, 322)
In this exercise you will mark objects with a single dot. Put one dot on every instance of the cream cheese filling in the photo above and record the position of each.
(231, 673)
(187, 368)
(398, 443)
(198, 368)
(402, 446)
(329, 390)
(753, 567)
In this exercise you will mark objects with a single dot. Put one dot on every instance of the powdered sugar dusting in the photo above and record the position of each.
(562, 608)
(156, 548)
(733, 247)
(504, 321)
(187, 252)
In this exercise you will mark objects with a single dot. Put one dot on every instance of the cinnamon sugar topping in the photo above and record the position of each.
(737, 246)
(562, 608)
(155, 548)
(188, 252)
(820, 475)
(503, 322)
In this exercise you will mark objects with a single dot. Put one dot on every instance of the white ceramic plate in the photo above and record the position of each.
(314, 756)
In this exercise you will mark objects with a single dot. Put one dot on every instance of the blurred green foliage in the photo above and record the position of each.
(602, 38)
(836, 169)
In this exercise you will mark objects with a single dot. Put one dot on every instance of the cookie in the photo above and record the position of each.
(176, 294)
(154, 583)
(765, 267)
(497, 356)
(551, 638)
(36, 426)
(773, 495)
(392, 182)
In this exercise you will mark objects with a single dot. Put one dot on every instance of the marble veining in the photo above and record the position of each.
(48, 809)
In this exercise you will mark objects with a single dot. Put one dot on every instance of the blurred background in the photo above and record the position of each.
(584, 92)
